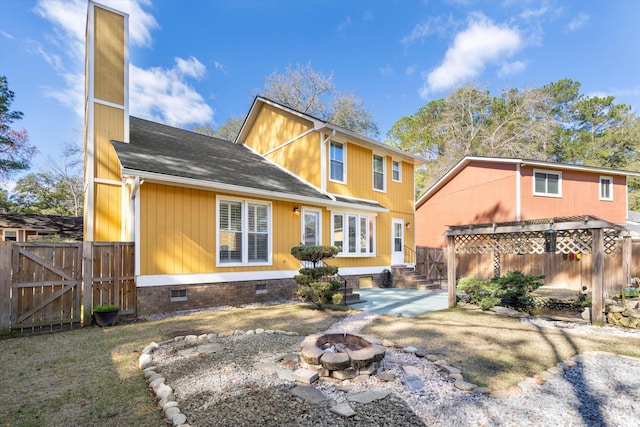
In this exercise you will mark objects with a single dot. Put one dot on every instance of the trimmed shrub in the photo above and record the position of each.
(517, 286)
(479, 292)
(313, 285)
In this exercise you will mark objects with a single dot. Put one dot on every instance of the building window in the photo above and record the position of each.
(178, 295)
(10, 236)
(547, 183)
(336, 160)
(396, 171)
(353, 234)
(606, 188)
(378, 173)
(244, 232)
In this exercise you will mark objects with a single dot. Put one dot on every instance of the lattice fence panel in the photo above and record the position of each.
(533, 242)
(574, 241)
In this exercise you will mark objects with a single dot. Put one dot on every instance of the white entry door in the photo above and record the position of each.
(397, 242)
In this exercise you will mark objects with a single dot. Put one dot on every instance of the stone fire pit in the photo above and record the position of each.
(341, 356)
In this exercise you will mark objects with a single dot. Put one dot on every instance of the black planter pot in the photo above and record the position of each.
(106, 318)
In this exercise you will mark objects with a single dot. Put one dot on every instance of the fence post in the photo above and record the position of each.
(6, 257)
(87, 282)
(626, 260)
(597, 277)
(451, 270)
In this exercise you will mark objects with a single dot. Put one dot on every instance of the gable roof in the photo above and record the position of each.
(65, 226)
(168, 154)
(324, 126)
(455, 170)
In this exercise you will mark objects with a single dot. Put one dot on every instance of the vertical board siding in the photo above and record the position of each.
(274, 127)
(109, 59)
(580, 196)
(482, 192)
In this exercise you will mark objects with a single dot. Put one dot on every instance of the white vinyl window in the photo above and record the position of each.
(244, 232)
(336, 162)
(606, 188)
(396, 171)
(353, 234)
(547, 183)
(378, 173)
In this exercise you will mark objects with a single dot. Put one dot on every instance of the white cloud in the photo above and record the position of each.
(480, 44)
(161, 94)
(220, 66)
(578, 22)
(7, 35)
(433, 25)
(510, 68)
(534, 13)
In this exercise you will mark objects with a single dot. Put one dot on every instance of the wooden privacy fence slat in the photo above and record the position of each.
(49, 285)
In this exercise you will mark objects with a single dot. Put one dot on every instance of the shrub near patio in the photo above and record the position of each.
(514, 288)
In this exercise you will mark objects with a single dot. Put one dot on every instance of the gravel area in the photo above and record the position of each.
(242, 380)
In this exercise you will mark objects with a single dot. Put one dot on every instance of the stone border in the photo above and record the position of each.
(167, 401)
(164, 392)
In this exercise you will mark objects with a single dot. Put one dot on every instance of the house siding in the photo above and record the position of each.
(483, 192)
(273, 128)
(580, 196)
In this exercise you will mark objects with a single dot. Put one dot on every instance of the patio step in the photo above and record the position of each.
(352, 297)
(406, 277)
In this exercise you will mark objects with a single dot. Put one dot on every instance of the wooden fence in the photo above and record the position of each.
(49, 286)
(560, 271)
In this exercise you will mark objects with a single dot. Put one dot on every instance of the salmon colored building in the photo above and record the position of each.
(214, 221)
(483, 190)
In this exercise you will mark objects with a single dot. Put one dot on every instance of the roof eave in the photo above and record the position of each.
(247, 191)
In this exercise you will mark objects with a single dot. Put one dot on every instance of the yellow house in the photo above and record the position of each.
(214, 221)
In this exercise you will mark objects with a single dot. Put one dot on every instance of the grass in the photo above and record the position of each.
(89, 376)
(491, 350)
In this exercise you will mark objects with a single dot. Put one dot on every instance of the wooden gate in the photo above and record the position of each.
(51, 286)
(430, 262)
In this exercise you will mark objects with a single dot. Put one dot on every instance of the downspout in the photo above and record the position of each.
(134, 218)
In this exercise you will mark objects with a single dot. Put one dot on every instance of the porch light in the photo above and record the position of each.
(296, 210)
(408, 225)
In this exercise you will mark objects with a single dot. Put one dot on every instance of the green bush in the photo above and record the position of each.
(478, 290)
(487, 302)
(337, 298)
(314, 253)
(517, 286)
(103, 308)
(312, 283)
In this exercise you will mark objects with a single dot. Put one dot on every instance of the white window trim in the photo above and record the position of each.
(610, 198)
(344, 162)
(547, 172)
(345, 243)
(384, 173)
(245, 233)
(399, 170)
(319, 230)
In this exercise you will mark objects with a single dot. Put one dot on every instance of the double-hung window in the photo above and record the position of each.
(396, 171)
(336, 162)
(606, 188)
(353, 234)
(378, 173)
(547, 183)
(244, 232)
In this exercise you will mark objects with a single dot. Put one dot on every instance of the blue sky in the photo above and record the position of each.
(197, 61)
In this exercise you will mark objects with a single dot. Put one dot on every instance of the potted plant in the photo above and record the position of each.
(106, 314)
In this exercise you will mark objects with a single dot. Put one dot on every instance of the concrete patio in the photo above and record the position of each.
(405, 302)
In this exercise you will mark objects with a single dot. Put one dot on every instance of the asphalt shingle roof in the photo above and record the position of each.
(162, 149)
(65, 226)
